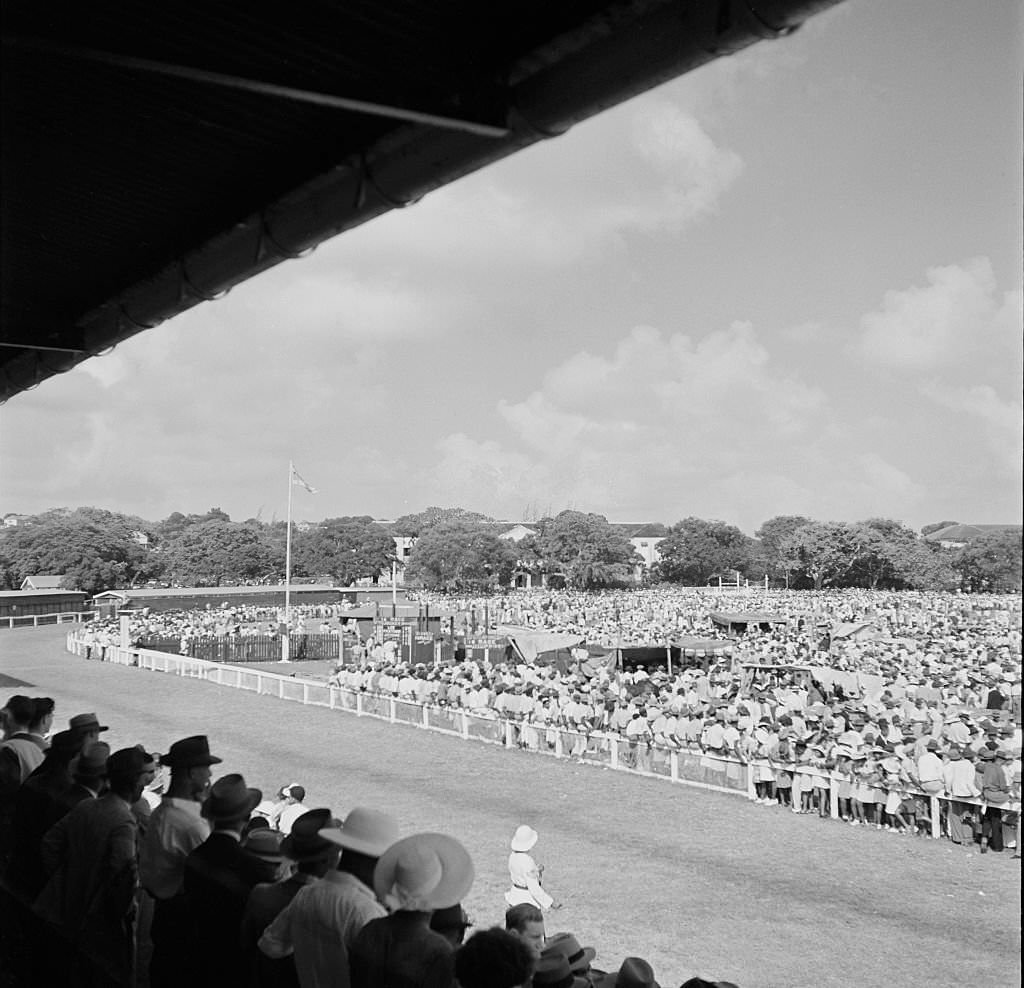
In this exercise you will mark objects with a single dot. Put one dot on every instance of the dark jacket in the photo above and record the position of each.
(219, 875)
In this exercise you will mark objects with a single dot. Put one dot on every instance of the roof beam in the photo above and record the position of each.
(259, 87)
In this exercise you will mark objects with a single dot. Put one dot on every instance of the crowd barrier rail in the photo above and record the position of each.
(688, 766)
(38, 620)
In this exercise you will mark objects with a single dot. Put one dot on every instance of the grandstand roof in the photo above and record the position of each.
(156, 155)
(44, 581)
(967, 533)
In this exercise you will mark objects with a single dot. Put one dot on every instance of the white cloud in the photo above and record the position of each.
(925, 328)
(642, 167)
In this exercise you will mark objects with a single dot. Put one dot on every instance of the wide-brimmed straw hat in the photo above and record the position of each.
(365, 831)
(524, 838)
(230, 799)
(423, 872)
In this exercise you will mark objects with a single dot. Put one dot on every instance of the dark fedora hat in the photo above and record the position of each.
(231, 799)
(190, 752)
(304, 843)
(84, 723)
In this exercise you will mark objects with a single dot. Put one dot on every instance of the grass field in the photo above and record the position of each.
(696, 882)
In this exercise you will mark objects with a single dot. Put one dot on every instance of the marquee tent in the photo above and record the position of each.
(741, 620)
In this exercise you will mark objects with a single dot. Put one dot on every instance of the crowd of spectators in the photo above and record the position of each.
(124, 867)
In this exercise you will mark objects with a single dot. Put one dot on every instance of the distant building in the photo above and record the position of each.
(957, 536)
(140, 538)
(644, 538)
(517, 533)
(44, 581)
(13, 521)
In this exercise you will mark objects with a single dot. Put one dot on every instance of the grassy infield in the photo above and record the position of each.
(696, 882)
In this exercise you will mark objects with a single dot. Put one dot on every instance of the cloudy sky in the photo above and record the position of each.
(789, 282)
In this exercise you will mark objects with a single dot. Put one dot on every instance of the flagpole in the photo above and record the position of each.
(285, 643)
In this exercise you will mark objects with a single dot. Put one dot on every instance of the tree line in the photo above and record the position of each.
(459, 550)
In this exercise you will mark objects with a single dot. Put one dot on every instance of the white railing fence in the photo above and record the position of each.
(686, 766)
(38, 620)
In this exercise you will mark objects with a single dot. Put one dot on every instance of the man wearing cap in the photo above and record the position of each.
(292, 809)
(320, 924)
(312, 856)
(176, 828)
(414, 876)
(218, 877)
(90, 860)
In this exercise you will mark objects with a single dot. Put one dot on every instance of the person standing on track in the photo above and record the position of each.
(526, 873)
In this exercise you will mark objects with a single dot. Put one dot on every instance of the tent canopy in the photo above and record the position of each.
(530, 643)
(744, 618)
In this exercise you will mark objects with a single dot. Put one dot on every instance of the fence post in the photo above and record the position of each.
(673, 765)
(751, 791)
(259, 683)
(280, 689)
(391, 709)
(426, 716)
(559, 751)
(359, 704)
(465, 725)
(935, 808)
(330, 697)
(35, 621)
(508, 734)
(833, 798)
(305, 694)
(615, 751)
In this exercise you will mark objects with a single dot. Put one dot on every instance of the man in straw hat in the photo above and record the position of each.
(320, 924)
(219, 875)
(525, 872)
(311, 855)
(413, 877)
(176, 828)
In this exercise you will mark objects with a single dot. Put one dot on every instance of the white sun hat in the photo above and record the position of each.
(524, 838)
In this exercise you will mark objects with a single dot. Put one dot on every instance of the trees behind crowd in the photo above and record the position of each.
(98, 550)
(459, 550)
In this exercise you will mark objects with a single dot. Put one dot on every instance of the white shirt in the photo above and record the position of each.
(175, 830)
(319, 925)
(288, 816)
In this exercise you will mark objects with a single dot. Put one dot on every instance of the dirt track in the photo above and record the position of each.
(696, 882)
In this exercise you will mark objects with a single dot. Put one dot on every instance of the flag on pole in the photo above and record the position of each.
(299, 482)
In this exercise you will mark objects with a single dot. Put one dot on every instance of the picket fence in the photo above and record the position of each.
(688, 767)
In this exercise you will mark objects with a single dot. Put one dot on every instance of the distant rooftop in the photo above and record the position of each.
(968, 533)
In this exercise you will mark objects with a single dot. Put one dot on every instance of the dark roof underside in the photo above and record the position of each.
(154, 155)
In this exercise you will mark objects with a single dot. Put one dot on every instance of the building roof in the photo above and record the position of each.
(156, 155)
(15, 594)
(43, 581)
(967, 533)
(643, 530)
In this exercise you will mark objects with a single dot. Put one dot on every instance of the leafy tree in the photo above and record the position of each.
(826, 551)
(772, 535)
(346, 548)
(93, 549)
(935, 526)
(696, 550)
(991, 562)
(585, 547)
(209, 552)
(460, 557)
(417, 524)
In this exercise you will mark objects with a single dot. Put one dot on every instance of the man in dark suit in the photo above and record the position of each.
(219, 875)
(90, 857)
